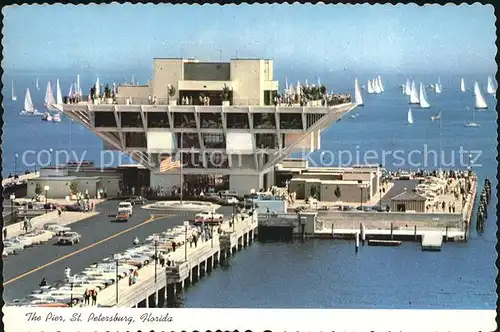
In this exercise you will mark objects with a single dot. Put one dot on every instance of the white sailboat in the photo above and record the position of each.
(370, 87)
(77, 87)
(436, 117)
(438, 88)
(414, 94)
(379, 81)
(36, 84)
(49, 97)
(410, 116)
(423, 97)
(29, 108)
(408, 87)
(471, 123)
(358, 99)
(56, 117)
(491, 87)
(462, 85)
(480, 103)
(13, 96)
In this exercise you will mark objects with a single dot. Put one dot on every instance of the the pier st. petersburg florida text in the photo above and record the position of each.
(97, 317)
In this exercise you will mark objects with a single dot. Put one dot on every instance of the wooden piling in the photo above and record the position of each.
(356, 243)
(446, 234)
(415, 233)
(392, 227)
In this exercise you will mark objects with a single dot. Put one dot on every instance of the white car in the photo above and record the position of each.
(208, 215)
(69, 238)
(15, 245)
(26, 241)
(125, 207)
(230, 200)
(55, 228)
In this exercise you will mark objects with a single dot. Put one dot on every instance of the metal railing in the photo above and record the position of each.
(329, 224)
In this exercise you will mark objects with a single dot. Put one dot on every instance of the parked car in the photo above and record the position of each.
(14, 245)
(229, 200)
(208, 217)
(58, 229)
(69, 238)
(26, 241)
(137, 200)
(74, 207)
(365, 208)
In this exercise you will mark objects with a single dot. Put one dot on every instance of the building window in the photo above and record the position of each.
(210, 120)
(264, 121)
(266, 141)
(189, 140)
(237, 121)
(192, 160)
(269, 97)
(214, 141)
(131, 120)
(135, 140)
(217, 160)
(158, 120)
(184, 120)
(104, 119)
(311, 119)
(291, 121)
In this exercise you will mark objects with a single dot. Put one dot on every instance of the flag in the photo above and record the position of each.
(168, 164)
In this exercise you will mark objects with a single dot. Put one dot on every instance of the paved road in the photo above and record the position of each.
(100, 238)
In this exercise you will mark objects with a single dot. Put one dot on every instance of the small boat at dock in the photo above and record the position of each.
(384, 243)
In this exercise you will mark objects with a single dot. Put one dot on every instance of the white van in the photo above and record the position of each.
(125, 207)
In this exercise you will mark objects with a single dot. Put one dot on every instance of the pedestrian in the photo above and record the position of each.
(94, 297)
(5, 233)
(449, 208)
(162, 260)
(130, 280)
(86, 296)
(453, 207)
(59, 211)
(195, 239)
(174, 245)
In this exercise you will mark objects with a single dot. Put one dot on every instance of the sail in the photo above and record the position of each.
(410, 116)
(97, 87)
(370, 87)
(70, 93)
(379, 81)
(479, 99)
(414, 94)
(59, 100)
(462, 85)
(12, 93)
(77, 87)
(437, 88)
(376, 87)
(49, 96)
(358, 99)
(408, 87)
(28, 104)
(491, 87)
(36, 84)
(423, 98)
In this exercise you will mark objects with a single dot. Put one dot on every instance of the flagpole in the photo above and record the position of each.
(182, 177)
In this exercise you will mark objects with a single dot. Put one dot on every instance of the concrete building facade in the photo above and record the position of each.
(237, 142)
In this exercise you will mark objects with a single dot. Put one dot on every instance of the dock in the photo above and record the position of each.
(432, 241)
(151, 293)
(19, 179)
(384, 243)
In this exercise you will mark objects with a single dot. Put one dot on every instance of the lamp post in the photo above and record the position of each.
(12, 198)
(287, 186)
(252, 193)
(46, 188)
(234, 215)
(212, 234)
(361, 186)
(156, 258)
(16, 156)
(73, 280)
(380, 201)
(469, 168)
(186, 224)
(50, 152)
(115, 257)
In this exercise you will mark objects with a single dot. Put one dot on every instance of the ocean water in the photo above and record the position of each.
(325, 273)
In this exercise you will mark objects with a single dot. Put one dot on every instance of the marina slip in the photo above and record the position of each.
(323, 176)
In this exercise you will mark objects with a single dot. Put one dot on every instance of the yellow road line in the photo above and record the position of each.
(151, 218)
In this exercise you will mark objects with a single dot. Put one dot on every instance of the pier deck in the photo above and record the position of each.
(200, 260)
(21, 178)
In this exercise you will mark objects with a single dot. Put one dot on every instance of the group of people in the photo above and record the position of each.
(88, 294)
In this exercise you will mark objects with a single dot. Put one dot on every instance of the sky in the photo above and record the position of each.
(390, 38)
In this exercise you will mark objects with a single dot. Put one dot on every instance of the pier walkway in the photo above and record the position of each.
(171, 279)
(20, 179)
